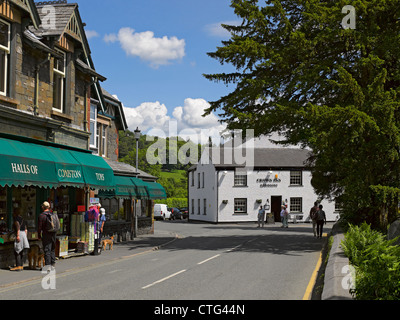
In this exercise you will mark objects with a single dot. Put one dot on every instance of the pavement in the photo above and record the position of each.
(141, 245)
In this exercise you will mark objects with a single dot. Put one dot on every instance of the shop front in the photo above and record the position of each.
(130, 207)
(33, 172)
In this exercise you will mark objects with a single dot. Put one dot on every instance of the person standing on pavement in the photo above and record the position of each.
(21, 241)
(313, 216)
(321, 219)
(102, 221)
(261, 216)
(284, 217)
(48, 238)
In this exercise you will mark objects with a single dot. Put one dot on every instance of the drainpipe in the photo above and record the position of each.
(37, 70)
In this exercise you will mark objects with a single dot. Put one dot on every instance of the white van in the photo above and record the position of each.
(161, 212)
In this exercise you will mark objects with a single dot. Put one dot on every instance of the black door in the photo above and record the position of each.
(276, 203)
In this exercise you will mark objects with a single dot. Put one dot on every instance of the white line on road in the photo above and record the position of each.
(164, 279)
(209, 259)
(237, 247)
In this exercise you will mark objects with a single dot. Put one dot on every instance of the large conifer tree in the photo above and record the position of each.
(332, 89)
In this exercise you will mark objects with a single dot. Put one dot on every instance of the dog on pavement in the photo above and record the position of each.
(35, 257)
(108, 242)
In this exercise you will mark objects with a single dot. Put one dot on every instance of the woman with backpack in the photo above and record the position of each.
(321, 219)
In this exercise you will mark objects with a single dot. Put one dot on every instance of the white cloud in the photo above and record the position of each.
(90, 34)
(187, 121)
(156, 51)
(216, 29)
(110, 38)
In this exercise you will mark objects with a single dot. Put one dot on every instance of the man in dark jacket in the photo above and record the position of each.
(48, 238)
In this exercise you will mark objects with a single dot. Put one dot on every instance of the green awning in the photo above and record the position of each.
(124, 189)
(141, 191)
(30, 164)
(97, 173)
(155, 190)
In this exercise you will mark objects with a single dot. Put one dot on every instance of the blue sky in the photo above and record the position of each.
(153, 53)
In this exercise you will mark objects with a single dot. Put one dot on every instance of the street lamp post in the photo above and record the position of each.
(137, 137)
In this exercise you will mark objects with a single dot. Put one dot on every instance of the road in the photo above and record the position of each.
(211, 262)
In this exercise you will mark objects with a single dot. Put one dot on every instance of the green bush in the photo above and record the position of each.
(174, 202)
(377, 263)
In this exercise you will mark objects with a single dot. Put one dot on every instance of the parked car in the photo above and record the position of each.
(176, 214)
(185, 212)
(161, 212)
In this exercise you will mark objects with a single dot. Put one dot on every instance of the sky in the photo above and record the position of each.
(154, 55)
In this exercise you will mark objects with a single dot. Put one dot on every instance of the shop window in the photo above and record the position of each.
(296, 178)
(240, 179)
(59, 82)
(240, 205)
(296, 205)
(25, 200)
(4, 53)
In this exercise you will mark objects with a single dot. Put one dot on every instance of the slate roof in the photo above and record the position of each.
(124, 169)
(63, 13)
(263, 158)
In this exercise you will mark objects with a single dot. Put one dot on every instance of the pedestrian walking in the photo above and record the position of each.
(321, 219)
(284, 217)
(48, 235)
(261, 217)
(21, 240)
(313, 216)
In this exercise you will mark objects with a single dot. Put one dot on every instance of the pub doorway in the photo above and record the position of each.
(276, 203)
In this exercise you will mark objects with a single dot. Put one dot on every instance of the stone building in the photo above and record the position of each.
(57, 124)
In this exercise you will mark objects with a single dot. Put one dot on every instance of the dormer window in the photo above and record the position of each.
(59, 82)
(4, 52)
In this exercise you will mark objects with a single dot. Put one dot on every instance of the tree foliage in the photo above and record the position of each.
(334, 90)
(175, 188)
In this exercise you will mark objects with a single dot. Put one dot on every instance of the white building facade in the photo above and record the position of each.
(221, 192)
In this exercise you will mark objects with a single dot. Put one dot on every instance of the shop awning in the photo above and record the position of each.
(141, 191)
(30, 164)
(124, 189)
(155, 190)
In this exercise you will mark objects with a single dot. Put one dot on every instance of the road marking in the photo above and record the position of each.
(237, 247)
(311, 284)
(114, 271)
(209, 259)
(164, 279)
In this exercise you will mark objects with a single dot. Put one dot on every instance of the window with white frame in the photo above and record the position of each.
(296, 205)
(240, 179)
(59, 82)
(240, 205)
(296, 178)
(93, 126)
(104, 141)
(4, 53)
